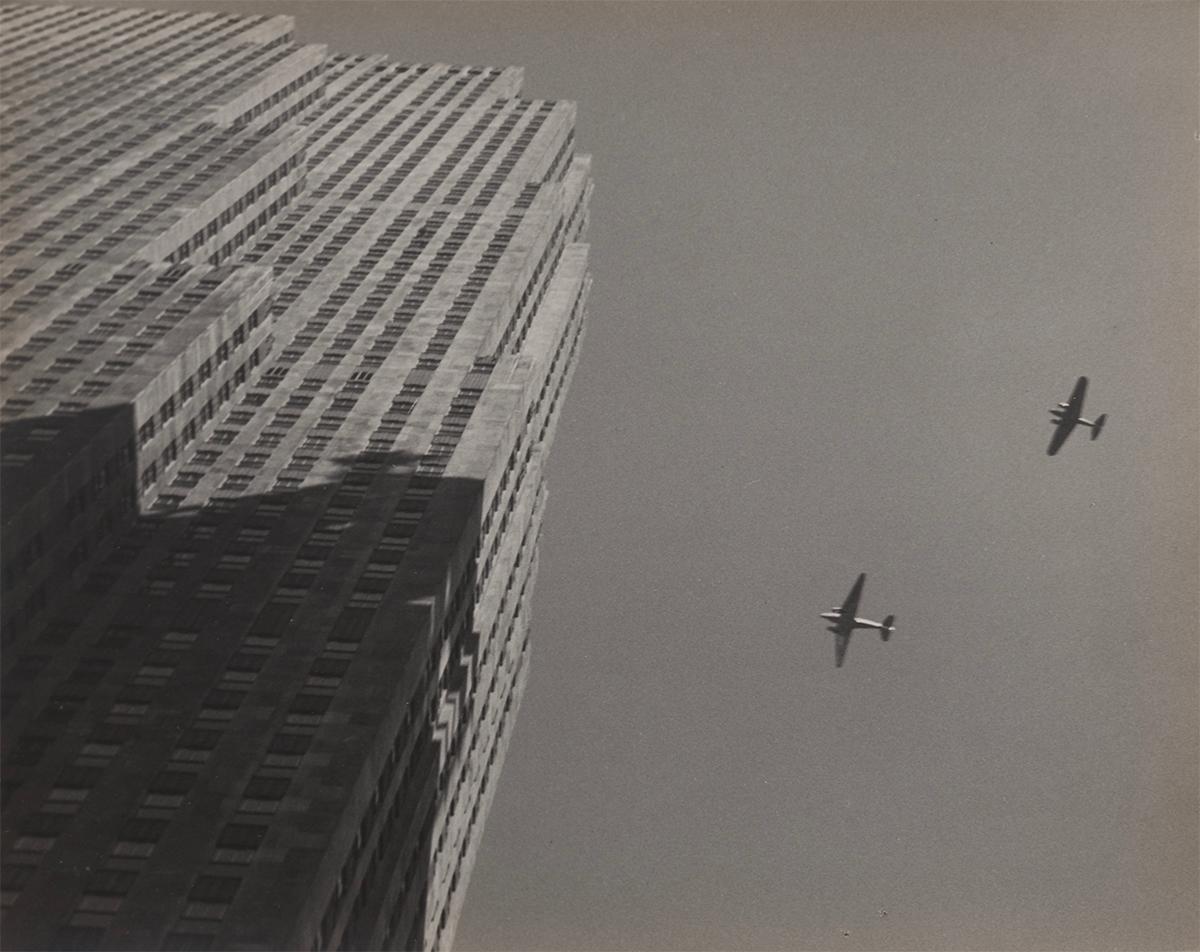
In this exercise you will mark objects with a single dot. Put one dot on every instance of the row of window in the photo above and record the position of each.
(502, 173)
(24, 24)
(459, 152)
(401, 756)
(144, 299)
(380, 86)
(184, 185)
(177, 401)
(386, 158)
(94, 199)
(467, 784)
(562, 159)
(153, 115)
(78, 502)
(306, 336)
(242, 203)
(40, 831)
(69, 44)
(280, 94)
(479, 162)
(116, 74)
(535, 290)
(150, 475)
(256, 61)
(238, 841)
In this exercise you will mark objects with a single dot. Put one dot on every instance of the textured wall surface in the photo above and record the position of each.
(285, 339)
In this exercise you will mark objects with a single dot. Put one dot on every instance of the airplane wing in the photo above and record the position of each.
(1075, 404)
(850, 605)
(843, 640)
(1062, 430)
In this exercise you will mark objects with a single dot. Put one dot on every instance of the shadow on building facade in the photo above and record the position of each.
(233, 725)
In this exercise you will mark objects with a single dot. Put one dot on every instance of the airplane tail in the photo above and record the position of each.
(888, 627)
(1098, 425)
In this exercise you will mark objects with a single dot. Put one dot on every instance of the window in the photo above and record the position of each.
(101, 749)
(109, 883)
(196, 744)
(233, 562)
(238, 842)
(74, 784)
(154, 675)
(178, 640)
(220, 704)
(215, 888)
(254, 460)
(214, 589)
(138, 837)
(287, 749)
(39, 834)
(289, 595)
(13, 879)
(210, 896)
(262, 787)
(133, 701)
(327, 672)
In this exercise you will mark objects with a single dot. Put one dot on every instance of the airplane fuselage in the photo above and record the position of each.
(841, 621)
(1061, 416)
(1066, 417)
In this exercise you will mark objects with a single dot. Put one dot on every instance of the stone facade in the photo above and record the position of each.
(285, 337)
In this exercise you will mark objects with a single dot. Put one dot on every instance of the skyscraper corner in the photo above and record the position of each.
(285, 338)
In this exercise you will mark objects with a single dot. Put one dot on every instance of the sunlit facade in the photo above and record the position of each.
(285, 338)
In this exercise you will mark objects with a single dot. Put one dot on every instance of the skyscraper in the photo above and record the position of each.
(285, 339)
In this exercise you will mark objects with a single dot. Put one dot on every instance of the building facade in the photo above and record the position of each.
(285, 336)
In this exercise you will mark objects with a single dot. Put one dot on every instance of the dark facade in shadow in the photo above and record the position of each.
(69, 488)
(223, 735)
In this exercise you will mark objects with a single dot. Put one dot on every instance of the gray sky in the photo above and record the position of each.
(846, 257)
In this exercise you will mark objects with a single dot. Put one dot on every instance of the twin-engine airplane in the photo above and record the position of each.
(1066, 416)
(844, 621)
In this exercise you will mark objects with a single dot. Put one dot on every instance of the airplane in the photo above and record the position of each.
(844, 621)
(1066, 416)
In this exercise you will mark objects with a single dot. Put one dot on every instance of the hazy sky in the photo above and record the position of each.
(846, 257)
